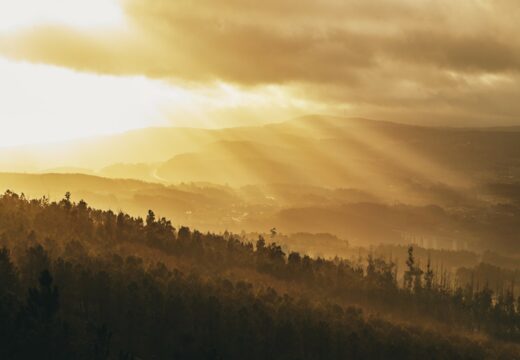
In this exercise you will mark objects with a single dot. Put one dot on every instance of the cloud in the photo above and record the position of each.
(464, 53)
(394, 56)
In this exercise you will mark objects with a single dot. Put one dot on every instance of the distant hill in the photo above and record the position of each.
(359, 216)
(137, 146)
(359, 179)
(338, 145)
(141, 171)
(382, 157)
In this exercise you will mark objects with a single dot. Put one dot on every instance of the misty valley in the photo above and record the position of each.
(299, 240)
(264, 180)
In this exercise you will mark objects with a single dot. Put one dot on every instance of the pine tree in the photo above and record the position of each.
(409, 274)
(428, 275)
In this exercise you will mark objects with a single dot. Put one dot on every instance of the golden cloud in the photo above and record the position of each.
(373, 55)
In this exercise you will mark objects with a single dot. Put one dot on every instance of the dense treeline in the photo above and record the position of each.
(64, 290)
(114, 308)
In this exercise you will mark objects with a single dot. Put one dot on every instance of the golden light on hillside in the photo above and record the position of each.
(44, 104)
(259, 179)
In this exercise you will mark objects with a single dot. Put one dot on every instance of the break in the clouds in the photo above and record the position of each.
(44, 103)
(442, 60)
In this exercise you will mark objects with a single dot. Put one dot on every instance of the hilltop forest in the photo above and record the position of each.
(259, 180)
(368, 182)
(76, 282)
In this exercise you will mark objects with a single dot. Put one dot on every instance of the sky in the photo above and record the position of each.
(73, 68)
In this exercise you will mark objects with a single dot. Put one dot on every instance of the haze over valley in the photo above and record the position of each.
(259, 180)
(314, 174)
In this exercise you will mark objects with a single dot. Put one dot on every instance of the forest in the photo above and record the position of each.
(82, 283)
(250, 180)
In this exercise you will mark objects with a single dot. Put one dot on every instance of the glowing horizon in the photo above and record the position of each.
(49, 103)
(80, 68)
(67, 105)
